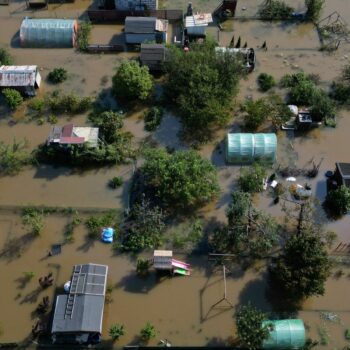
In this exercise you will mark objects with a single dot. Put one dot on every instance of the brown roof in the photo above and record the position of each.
(67, 130)
(344, 169)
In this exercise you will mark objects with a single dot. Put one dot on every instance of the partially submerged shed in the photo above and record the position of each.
(51, 32)
(22, 78)
(162, 259)
(246, 148)
(285, 334)
(342, 174)
(78, 315)
(196, 25)
(153, 56)
(141, 29)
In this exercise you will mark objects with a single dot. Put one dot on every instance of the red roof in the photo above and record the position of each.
(67, 131)
(72, 140)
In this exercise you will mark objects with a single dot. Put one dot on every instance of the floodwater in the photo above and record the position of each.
(180, 308)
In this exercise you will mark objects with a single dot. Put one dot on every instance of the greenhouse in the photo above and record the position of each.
(247, 148)
(48, 32)
(285, 334)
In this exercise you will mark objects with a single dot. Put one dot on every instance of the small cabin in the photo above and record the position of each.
(196, 25)
(25, 79)
(78, 314)
(73, 135)
(153, 56)
(342, 174)
(162, 259)
(145, 29)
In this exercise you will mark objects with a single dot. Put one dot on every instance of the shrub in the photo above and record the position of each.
(115, 182)
(5, 58)
(28, 275)
(13, 98)
(142, 267)
(57, 75)
(252, 179)
(83, 35)
(182, 180)
(257, 113)
(69, 103)
(116, 331)
(292, 80)
(266, 82)
(33, 219)
(250, 332)
(314, 9)
(153, 118)
(94, 224)
(148, 332)
(132, 82)
(338, 201)
(275, 9)
(52, 119)
(322, 107)
(37, 105)
(303, 93)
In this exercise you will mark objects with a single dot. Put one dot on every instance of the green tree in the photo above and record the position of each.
(314, 9)
(256, 113)
(338, 201)
(275, 9)
(116, 331)
(251, 179)
(148, 332)
(5, 58)
(57, 75)
(266, 82)
(13, 98)
(182, 180)
(322, 106)
(83, 35)
(304, 276)
(250, 331)
(132, 82)
(153, 118)
(303, 93)
(145, 227)
(279, 112)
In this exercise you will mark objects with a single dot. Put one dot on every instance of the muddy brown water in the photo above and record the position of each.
(179, 307)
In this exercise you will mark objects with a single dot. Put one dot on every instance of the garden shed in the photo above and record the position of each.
(22, 78)
(50, 32)
(196, 24)
(136, 5)
(246, 148)
(79, 313)
(162, 259)
(285, 334)
(153, 55)
(342, 174)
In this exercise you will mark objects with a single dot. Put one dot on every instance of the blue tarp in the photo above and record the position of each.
(107, 235)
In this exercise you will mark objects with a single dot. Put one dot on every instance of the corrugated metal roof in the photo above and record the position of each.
(82, 309)
(140, 25)
(17, 75)
(152, 52)
(71, 140)
(67, 130)
(199, 20)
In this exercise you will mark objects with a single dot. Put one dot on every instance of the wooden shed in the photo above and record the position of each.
(342, 174)
(153, 55)
(162, 259)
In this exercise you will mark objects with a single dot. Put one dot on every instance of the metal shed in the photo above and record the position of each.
(48, 32)
(285, 334)
(141, 29)
(153, 55)
(196, 24)
(23, 78)
(247, 148)
(162, 259)
(342, 174)
(78, 315)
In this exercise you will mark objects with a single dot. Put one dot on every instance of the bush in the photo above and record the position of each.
(275, 9)
(292, 80)
(153, 118)
(116, 182)
(37, 105)
(303, 94)
(182, 180)
(116, 331)
(257, 113)
(94, 224)
(266, 82)
(250, 332)
(69, 103)
(132, 82)
(142, 267)
(252, 179)
(5, 58)
(314, 9)
(83, 35)
(13, 98)
(148, 332)
(322, 107)
(338, 201)
(33, 219)
(57, 75)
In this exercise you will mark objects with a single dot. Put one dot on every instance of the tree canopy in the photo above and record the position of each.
(180, 180)
(251, 179)
(5, 58)
(201, 84)
(132, 82)
(338, 201)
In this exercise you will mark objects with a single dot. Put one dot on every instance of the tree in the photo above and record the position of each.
(302, 268)
(182, 180)
(322, 106)
(266, 82)
(257, 113)
(132, 82)
(57, 75)
(252, 179)
(250, 331)
(314, 9)
(83, 36)
(338, 200)
(275, 9)
(303, 93)
(13, 98)
(201, 84)
(116, 331)
(5, 58)
(144, 227)
(109, 124)
(153, 118)
(148, 332)
(249, 232)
